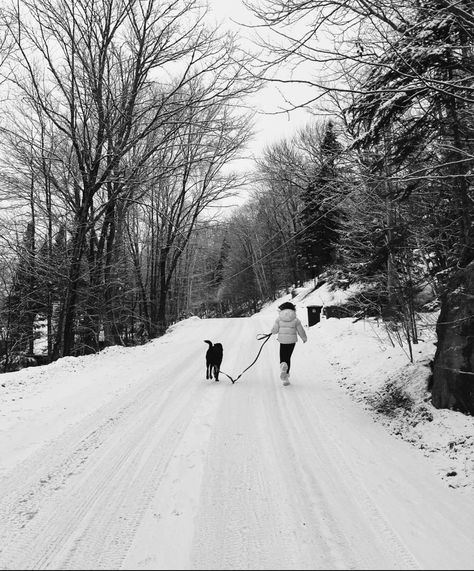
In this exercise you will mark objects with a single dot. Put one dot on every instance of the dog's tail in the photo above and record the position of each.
(209, 342)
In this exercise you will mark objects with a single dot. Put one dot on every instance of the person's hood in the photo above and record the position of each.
(287, 314)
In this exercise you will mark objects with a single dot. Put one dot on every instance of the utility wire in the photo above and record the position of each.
(224, 280)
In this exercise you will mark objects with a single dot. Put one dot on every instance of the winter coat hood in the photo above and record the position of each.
(287, 314)
(288, 327)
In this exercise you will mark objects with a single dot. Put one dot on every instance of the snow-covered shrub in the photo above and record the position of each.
(17, 361)
(391, 399)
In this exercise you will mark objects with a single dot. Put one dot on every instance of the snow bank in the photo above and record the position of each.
(180, 324)
(380, 376)
(38, 403)
(312, 294)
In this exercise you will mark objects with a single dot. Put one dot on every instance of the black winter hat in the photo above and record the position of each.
(287, 305)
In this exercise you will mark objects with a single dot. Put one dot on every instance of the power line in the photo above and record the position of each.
(224, 280)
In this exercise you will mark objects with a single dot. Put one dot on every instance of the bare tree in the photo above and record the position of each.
(108, 76)
(192, 181)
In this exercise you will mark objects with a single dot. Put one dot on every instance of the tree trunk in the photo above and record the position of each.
(113, 266)
(160, 324)
(66, 328)
(453, 367)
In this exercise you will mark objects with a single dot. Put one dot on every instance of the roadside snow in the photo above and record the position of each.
(38, 403)
(371, 363)
(308, 295)
(372, 371)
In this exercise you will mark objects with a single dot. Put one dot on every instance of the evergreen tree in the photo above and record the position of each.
(320, 215)
(23, 302)
(420, 98)
(218, 273)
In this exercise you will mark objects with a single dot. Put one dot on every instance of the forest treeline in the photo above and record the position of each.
(122, 115)
(121, 122)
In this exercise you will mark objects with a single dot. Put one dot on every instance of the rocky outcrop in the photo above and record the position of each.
(453, 367)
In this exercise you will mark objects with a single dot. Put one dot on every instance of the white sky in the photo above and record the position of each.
(271, 126)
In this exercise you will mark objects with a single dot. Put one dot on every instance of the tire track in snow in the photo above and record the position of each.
(280, 494)
(246, 520)
(82, 497)
(339, 479)
(301, 463)
(165, 534)
(276, 491)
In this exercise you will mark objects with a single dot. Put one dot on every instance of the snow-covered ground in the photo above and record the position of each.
(373, 367)
(130, 459)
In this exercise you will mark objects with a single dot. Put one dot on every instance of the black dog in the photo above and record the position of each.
(213, 359)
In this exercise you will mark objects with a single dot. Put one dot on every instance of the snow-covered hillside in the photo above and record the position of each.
(130, 459)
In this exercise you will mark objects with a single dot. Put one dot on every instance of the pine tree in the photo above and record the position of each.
(23, 302)
(420, 95)
(320, 215)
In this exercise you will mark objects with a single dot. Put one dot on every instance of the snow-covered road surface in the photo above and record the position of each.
(165, 470)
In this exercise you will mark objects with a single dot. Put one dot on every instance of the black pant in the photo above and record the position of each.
(286, 349)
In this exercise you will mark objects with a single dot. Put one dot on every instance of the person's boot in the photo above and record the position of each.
(284, 373)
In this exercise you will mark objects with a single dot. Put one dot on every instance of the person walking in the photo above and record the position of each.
(288, 327)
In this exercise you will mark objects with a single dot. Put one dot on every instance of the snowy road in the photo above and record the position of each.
(170, 471)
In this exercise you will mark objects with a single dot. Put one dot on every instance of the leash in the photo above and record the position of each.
(260, 337)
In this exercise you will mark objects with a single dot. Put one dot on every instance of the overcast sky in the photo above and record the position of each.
(270, 127)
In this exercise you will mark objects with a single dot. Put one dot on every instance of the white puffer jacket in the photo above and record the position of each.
(288, 327)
